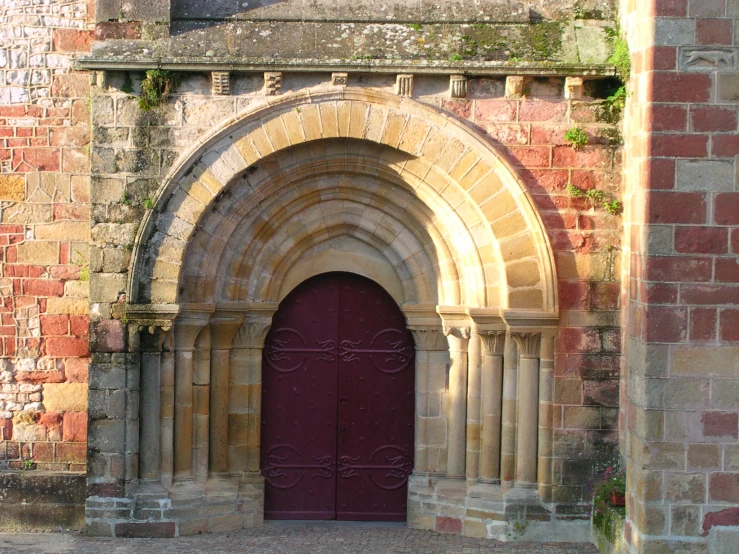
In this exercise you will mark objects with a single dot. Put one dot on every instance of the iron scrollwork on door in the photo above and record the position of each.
(393, 349)
(276, 464)
(396, 468)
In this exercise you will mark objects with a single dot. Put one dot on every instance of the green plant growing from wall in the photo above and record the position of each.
(127, 85)
(576, 137)
(610, 484)
(596, 197)
(148, 204)
(156, 88)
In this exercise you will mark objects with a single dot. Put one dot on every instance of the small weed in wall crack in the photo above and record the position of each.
(576, 137)
(156, 88)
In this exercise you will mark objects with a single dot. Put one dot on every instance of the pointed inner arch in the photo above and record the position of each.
(398, 193)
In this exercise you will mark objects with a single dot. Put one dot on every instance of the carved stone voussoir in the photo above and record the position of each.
(528, 343)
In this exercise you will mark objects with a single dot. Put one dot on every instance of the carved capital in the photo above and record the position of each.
(223, 330)
(528, 344)
(459, 332)
(429, 338)
(494, 342)
(252, 332)
(187, 328)
(152, 338)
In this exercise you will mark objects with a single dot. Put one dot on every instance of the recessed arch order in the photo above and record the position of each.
(394, 189)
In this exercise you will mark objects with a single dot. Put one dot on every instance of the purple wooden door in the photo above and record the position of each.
(337, 403)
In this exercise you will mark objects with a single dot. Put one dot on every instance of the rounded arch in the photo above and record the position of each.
(466, 212)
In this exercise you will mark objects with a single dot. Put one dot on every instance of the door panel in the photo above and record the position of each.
(338, 403)
(299, 384)
(376, 390)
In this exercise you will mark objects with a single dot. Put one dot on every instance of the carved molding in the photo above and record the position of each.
(494, 342)
(529, 344)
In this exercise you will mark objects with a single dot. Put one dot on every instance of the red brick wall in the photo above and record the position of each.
(44, 235)
(681, 401)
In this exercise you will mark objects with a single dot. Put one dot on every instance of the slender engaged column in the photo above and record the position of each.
(528, 407)
(201, 405)
(458, 338)
(508, 428)
(430, 343)
(492, 404)
(152, 340)
(474, 407)
(245, 391)
(186, 331)
(546, 399)
(222, 331)
(166, 411)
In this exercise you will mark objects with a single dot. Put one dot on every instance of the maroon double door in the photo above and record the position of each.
(337, 403)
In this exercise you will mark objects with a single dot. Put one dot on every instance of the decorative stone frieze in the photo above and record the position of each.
(458, 86)
(404, 85)
(220, 83)
(272, 83)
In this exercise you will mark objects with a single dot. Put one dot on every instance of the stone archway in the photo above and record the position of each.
(401, 194)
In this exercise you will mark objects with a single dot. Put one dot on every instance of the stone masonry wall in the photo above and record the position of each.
(681, 395)
(44, 234)
(133, 149)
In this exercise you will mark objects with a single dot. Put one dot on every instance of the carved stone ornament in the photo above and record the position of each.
(459, 332)
(429, 338)
(574, 88)
(707, 59)
(272, 83)
(340, 79)
(404, 85)
(528, 344)
(458, 86)
(220, 83)
(514, 86)
(252, 333)
(494, 342)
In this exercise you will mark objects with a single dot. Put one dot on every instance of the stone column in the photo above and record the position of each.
(186, 331)
(166, 411)
(546, 424)
(492, 405)
(245, 390)
(508, 427)
(152, 341)
(528, 407)
(201, 405)
(223, 328)
(430, 343)
(458, 338)
(474, 407)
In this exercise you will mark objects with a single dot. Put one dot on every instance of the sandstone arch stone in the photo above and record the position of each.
(437, 200)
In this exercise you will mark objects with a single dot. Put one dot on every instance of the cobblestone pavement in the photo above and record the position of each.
(286, 538)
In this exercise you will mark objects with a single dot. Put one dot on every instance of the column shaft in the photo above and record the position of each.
(546, 399)
(166, 413)
(492, 404)
(201, 405)
(528, 411)
(421, 423)
(149, 412)
(458, 340)
(474, 407)
(508, 428)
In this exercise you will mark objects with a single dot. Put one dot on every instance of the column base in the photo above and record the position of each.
(486, 510)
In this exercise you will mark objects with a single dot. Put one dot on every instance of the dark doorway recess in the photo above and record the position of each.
(337, 403)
